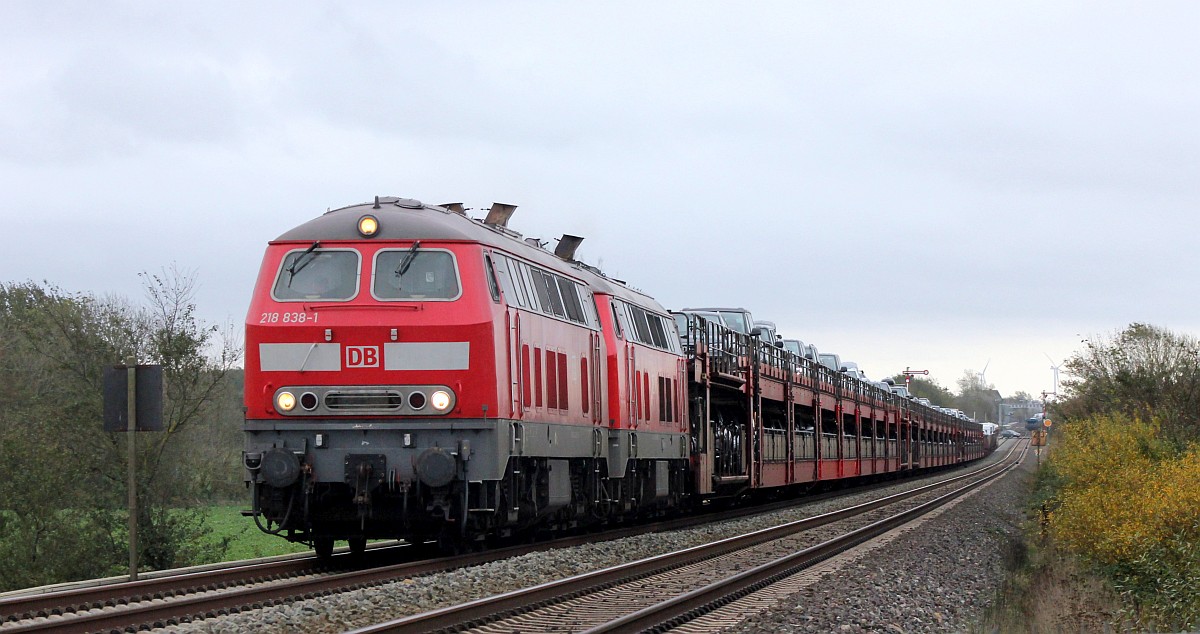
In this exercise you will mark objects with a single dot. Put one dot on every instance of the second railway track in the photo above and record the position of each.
(657, 593)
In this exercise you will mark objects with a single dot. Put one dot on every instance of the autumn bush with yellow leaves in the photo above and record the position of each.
(1129, 501)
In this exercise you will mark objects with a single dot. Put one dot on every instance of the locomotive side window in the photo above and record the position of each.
(537, 289)
(531, 291)
(326, 274)
(646, 327)
(617, 321)
(493, 284)
(548, 293)
(591, 311)
(506, 283)
(657, 332)
(408, 274)
(570, 298)
(520, 294)
(637, 317)
(670, 336)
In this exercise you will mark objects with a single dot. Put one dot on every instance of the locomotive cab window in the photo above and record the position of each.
(415, 274)
(313, 273)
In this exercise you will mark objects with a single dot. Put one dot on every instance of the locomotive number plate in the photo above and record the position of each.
(288, 318)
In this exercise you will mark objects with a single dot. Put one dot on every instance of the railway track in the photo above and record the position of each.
(95, 606)
(659, 593)
(175, 598)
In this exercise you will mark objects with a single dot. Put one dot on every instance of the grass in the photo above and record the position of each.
(245, 540)
(1047, 590)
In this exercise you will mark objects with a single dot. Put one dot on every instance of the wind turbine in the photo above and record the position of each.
(1055, 368)
(983, 374)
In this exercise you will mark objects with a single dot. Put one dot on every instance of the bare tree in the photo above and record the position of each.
(1142, 370)
(976, 397)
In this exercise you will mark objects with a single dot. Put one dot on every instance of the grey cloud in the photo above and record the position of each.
(148, 99)
(109, 103)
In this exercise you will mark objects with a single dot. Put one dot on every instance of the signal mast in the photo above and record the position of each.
(909, 374)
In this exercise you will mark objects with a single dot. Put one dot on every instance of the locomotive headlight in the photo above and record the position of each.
(285, 401)
(368, 226)
(440, 400)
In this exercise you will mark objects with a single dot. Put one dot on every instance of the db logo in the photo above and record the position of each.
(362, 356)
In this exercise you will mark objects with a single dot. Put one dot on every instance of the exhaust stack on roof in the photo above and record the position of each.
(567, 245)
(499, 214)
(455, 207)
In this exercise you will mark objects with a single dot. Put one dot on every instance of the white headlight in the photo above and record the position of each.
(440, 400)
(285, 401)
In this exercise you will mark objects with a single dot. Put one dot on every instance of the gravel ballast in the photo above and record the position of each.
(938, 577)
(914, 587)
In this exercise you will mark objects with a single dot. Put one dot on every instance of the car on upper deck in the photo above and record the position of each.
(851, 368)
(735, 319)
(830, 360)
(768, 333)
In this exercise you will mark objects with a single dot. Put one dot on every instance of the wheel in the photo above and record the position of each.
(450, 543)
(323, 547)
(358, 545)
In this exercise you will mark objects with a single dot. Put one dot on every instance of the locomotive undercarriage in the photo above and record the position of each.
(529, 500)
(468, 494)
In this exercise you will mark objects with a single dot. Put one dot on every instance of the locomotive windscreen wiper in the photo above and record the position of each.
(300, 262)
(408, 258)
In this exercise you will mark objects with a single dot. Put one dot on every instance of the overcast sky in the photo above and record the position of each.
(939, 186)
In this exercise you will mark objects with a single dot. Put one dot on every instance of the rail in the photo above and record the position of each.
(686, 607)
(472, 613)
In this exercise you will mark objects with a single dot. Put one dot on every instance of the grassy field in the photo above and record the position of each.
(246, 541)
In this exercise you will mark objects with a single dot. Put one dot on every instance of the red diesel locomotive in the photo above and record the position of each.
(415, 373)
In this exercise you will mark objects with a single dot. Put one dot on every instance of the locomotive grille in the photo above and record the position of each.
(360, 400)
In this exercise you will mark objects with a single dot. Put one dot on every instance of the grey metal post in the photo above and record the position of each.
(131, 394)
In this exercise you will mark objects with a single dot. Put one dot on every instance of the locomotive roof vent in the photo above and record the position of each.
(455, 207)
(409, 203)
(567, 245)
(534, 242)
(499, 214)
